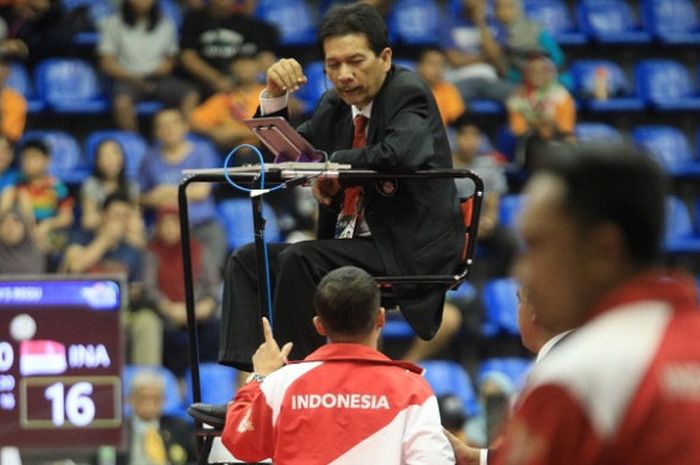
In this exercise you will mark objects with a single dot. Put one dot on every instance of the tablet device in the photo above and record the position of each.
(280, 138)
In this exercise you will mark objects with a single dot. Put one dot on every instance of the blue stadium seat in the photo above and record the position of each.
(509, 209)
(555, 17)
(672, 21)
(217, 383)
(610, 21)
(67, 162)
(317, 84)
(514, 368)
(680, 235)
(20, 81)
(173, 404)
(596, 132)
(670, 147)
(415, 22)
(133, 145)
(293, 18)
(446, 377)
(619, 89)
(97, 10)
(70, 86)
(666, 85)
(455, 9)
(500, 300)
(237, 217)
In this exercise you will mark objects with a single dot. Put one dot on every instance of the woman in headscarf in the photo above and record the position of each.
(19, 253)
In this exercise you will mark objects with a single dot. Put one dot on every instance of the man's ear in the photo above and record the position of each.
(319, 326)
(381, 317)
(385, 55)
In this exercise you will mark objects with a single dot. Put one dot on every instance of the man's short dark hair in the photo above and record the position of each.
(615, 183)
(36, 144)
(356, 18)
(347, 300)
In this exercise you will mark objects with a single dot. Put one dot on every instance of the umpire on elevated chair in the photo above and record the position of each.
(379, 117)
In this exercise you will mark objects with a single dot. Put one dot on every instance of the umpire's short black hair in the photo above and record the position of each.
(37, 144)
(614, 183)
(355, 18)
(347, 300)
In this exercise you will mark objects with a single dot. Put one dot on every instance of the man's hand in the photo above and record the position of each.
(325, 188)
(269, 357)
(286, 75)
(464, 454)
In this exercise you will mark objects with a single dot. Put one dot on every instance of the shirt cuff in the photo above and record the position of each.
(483, 456)
(272, 105)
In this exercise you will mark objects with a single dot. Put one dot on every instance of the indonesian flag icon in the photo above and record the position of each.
(42, 357)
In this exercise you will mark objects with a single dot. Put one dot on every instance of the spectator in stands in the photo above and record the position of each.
(161, 172)
(343, 400)
(18, 251)
(221, 116)
(8, 173)
(431, 67)
(165, 289)
(540, 112)
(154, 438)
(13, 106)
(11, 47)
(452, 415)
(138, 49)
(106, 249)
(108, 177)
(212, 37)
(469, 42)
(497, 244)
(41, 197)
(39, 29)
(521, 39)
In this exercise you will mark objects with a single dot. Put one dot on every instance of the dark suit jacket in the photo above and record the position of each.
(417, 227)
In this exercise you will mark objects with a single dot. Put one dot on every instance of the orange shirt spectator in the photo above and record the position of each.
(13, 106)
(431, 67)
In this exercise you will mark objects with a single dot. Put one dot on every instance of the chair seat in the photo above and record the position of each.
(486, 107)
(629, 37)
(571, 38)
(681, 104)
(680, 38)
(616, 104)
(77, 107)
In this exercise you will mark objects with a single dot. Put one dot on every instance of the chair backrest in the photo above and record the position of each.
(585, 74)
(553, 15)
(606, 16)
(293, 18)
(597, 132)
(446, 377)
(237, 218)
(61, 79)
(172, 405)
(217, 383)
(67, 162)
(678, 221)
(19, 80)
(500, 301)
(662, 80)
(510, 207)
(415, 22)
(670, 16)
(317, 84)
(133, 145)
(668, 145)
(514, 368)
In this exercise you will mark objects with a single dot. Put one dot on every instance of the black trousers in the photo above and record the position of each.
(295, 271)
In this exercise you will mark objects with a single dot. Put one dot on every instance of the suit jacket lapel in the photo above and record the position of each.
(344, 129)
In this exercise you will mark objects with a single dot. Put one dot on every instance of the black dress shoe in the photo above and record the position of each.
(211, 414)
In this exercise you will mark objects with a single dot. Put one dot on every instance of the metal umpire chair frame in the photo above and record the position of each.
(470, 208)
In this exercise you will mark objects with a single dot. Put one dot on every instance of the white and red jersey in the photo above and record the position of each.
(343, 404)
(622, 389)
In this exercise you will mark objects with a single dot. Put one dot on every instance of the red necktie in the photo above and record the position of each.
(350, 212)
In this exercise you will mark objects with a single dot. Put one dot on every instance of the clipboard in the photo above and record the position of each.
(285, 143)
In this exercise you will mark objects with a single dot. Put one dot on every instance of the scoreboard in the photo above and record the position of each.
(60, 362)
